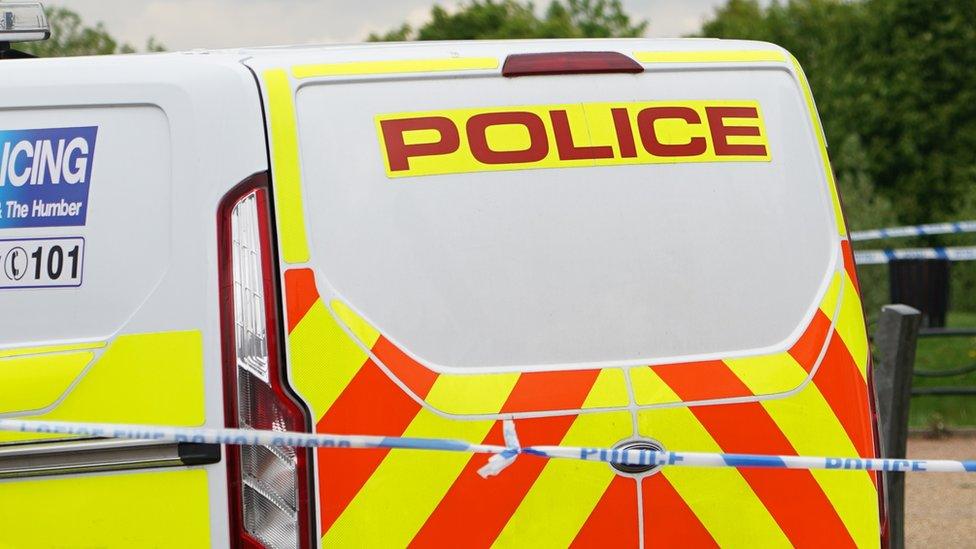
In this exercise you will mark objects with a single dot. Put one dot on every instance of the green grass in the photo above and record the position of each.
(945, 353)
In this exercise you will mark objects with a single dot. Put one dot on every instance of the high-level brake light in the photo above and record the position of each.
(570, 62)
(269, 487)
(23, 22)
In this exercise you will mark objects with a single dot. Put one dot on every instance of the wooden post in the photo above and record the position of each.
(895, 340)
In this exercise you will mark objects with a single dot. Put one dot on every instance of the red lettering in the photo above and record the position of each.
(645, 125)
(565, 145)
(625, 133)
(399, 153)
(721, 132)
(478, 125)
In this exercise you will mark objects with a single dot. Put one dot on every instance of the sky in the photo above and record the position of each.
(189, 24)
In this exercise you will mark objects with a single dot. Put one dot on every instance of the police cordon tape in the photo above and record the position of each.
(877, 257)
(501, 456)
(915, 230)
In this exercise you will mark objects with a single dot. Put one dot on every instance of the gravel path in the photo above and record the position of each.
(940, 508)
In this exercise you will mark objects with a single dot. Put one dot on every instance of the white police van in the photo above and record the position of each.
(614, 243)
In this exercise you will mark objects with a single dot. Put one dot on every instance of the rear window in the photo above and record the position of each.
(502, 247)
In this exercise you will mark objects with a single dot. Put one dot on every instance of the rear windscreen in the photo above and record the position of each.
(490, 222)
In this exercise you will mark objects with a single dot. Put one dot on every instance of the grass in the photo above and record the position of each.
(945, 353)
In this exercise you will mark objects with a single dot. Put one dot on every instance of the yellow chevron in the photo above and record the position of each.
(609, 390)
(362, 330)
(405, 489)
(721, 499)
(463, 394)
(564, 495)
(322, 358)
(812, 428)
(649, 388)
(850, 327)
(828, 305)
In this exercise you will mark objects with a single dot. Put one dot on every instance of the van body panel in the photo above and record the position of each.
(707, 305)
(138, 339)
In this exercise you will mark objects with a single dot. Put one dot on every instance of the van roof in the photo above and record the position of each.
(405, 50)
(458, 47)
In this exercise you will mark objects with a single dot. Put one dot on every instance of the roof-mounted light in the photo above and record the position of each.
(23, 22)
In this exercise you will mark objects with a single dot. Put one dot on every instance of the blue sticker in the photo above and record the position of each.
(45, 175)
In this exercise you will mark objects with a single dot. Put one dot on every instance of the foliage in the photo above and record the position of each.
(70, 36)
(865, 209)
(486, 19)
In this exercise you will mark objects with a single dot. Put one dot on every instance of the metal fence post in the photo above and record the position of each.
(895, 340)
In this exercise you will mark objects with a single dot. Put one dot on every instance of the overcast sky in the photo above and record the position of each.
(187, 24)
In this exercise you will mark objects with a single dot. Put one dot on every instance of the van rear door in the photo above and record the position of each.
(650, 255)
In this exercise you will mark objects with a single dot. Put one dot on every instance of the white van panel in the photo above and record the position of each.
(126, 234)
(177, 131)
(552, 267)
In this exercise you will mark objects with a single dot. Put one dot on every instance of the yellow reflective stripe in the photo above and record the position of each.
(850, 327)
(564, 495)
(807, 421)
(649, 388)
(5, 353)
(717, 56)
(323, 359)
(776, 372)
(110, 510)
(405, 489)
(822, 142)
(566, 492)
(35, 382)
(399, 66)
(721, 498)
(285, 167)
(828, 305)
(363, 331)
(609, 390)
(151, 379)
(464, 394)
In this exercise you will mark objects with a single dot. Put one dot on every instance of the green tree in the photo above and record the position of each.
(487, 19)
(70, 36)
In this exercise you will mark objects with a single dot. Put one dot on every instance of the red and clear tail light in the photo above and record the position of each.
(269, 486)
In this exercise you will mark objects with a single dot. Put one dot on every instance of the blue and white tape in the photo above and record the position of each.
(877, 257)
(501, 456)
(915, 230)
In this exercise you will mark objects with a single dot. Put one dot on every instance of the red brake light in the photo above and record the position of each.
(573, 62)
(270, 488)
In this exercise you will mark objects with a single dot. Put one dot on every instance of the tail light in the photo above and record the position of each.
(269, 487)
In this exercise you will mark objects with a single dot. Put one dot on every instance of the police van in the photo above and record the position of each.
(613, 243)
